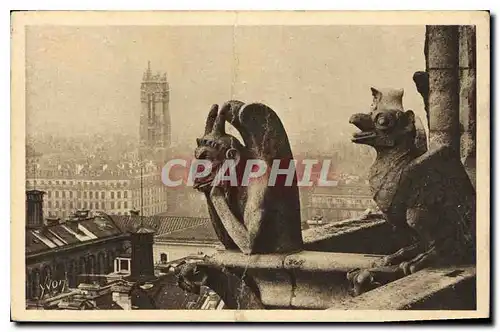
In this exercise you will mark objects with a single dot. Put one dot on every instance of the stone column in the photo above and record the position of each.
(442, 66)
(467, 63)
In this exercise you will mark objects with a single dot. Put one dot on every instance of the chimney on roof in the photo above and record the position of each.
(142, 264)
(142, 254)
(82, 214)
(51, 221)
(34, 208)
(134, 212)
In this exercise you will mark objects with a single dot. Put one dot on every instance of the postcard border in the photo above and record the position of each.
(19, 20)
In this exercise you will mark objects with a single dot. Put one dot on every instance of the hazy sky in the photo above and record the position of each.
(88, 79)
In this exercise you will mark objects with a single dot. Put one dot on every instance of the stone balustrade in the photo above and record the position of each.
(450, 288)
(314, 279)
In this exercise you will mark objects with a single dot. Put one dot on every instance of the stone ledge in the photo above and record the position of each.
(317, 261)
(312, 261)
(317, 280)
(451, 288)
(313, 279)
(235, 259)
(303, 280)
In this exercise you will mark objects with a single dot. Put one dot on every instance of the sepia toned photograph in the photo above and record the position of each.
(260, 166)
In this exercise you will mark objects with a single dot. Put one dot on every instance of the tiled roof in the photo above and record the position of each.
(162, 224)
(69, 233)
(63, 233)
(202, 232)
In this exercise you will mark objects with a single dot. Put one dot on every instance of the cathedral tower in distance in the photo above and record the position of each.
(155, 116)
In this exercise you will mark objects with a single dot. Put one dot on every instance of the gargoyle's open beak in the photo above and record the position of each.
(365, 123)
(206, 182)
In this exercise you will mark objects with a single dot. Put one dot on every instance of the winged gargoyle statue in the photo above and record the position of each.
(253, 217)
(422, 192)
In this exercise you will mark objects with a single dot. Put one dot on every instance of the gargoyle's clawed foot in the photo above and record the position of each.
(399, 256)
(384, 261)
(420, 262)
(361, 281)
(364, 280)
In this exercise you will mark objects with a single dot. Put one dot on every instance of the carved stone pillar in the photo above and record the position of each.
(442, 66)
(467, 62)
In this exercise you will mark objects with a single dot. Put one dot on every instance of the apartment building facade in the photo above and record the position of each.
(110, 192)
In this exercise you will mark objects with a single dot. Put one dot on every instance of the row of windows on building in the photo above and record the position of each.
(91, 194)
(87, 194)
(148, 211)
(342, 202)
(117, 184)
(54, 201)
(65, 214)
(87, 205)
(81, 183)
(155, 209)
(350, 214)
(101, 205)
(336, 215)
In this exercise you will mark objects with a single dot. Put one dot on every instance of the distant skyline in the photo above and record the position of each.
(87, 79)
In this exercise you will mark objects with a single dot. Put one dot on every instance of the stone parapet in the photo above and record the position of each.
(450, 288)
(302, 280)
(317, 280)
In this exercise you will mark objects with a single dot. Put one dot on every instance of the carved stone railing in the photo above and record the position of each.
(311, 279)
(304, 280)
(316, 278)
(450, 288)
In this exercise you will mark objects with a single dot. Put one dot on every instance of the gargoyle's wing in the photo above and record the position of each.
(261, 130)
(438, 179)
(273, 214)
(420, 136)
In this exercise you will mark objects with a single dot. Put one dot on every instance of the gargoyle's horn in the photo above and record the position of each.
(212, 115)
(220, 121)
